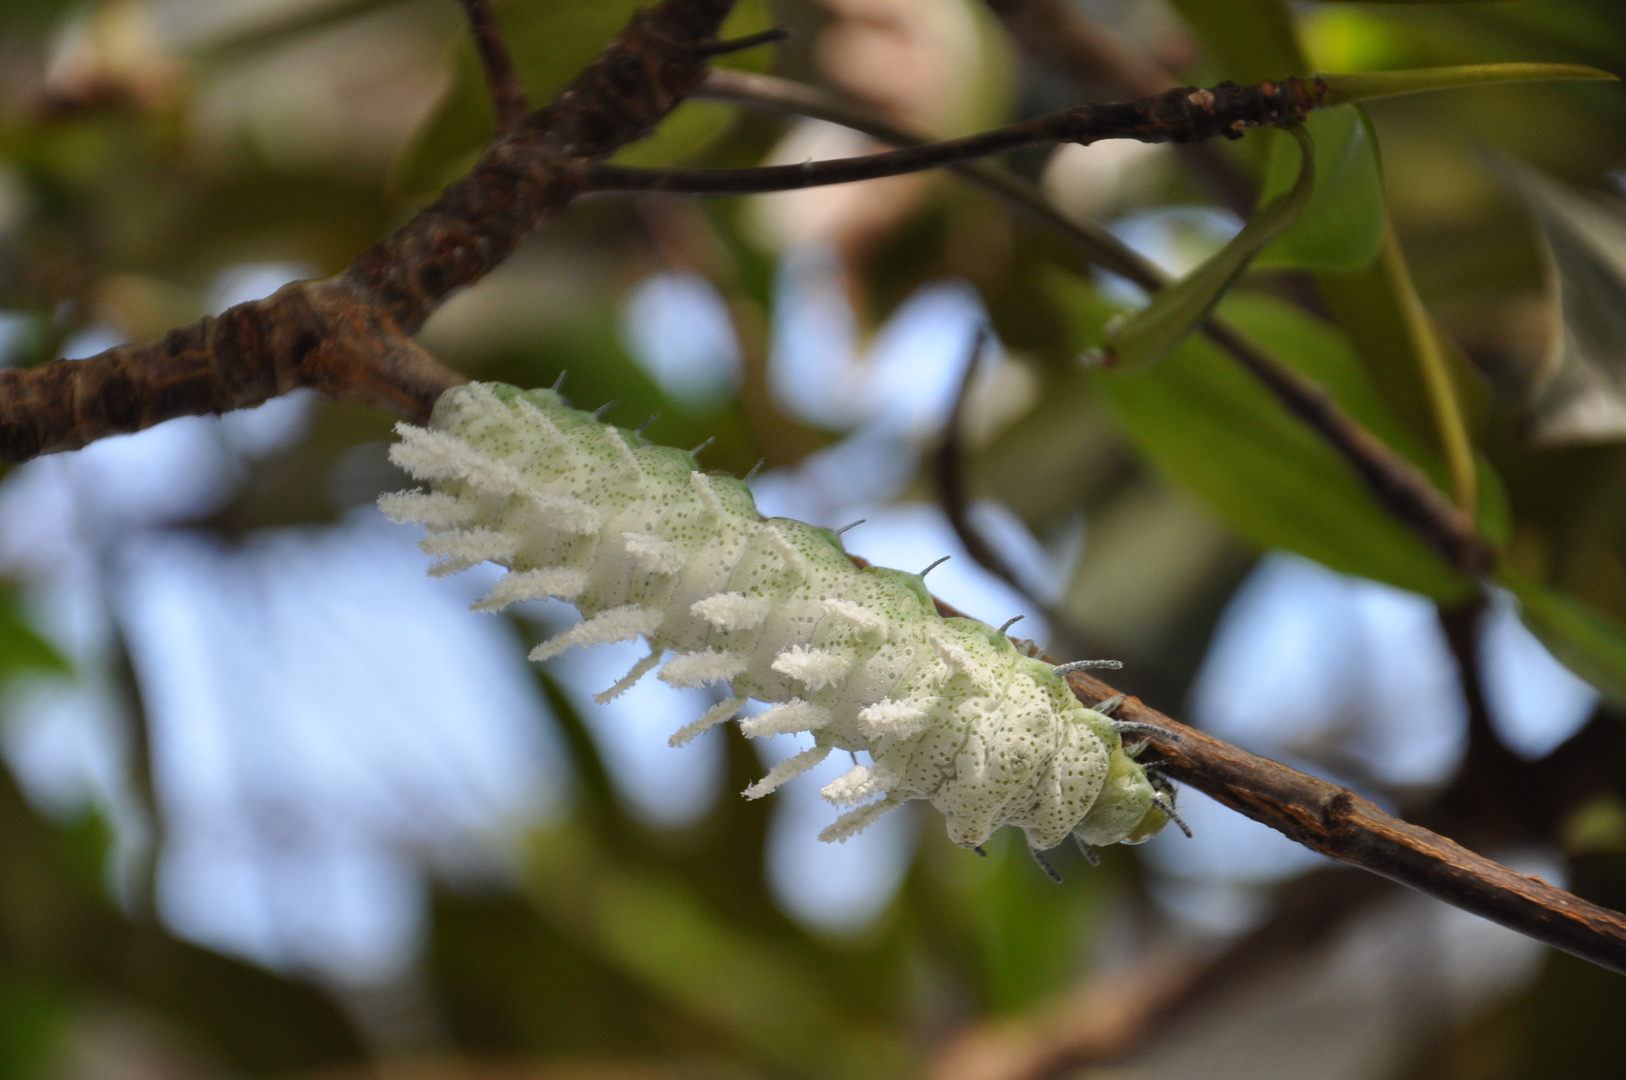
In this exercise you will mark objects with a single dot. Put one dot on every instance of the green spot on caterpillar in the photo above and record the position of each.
(646, 545)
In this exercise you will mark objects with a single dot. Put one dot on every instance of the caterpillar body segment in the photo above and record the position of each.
(644, 544)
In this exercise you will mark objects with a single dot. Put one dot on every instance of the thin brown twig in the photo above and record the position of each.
(949, 468)
(1397, 484)
(1184, 114)
(1092, 57)
(949, 464)
(507, 93)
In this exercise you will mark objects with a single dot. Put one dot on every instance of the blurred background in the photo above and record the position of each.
(274, 803)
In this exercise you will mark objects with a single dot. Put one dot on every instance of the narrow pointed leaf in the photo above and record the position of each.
(1580, 393)
(1151, 333)
(1361, 86)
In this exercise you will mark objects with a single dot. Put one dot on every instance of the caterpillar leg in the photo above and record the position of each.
(1091, 854)
(1163, 799)
(1086, 665)
(1136, 727)
(1044, 864)
(1109, 706)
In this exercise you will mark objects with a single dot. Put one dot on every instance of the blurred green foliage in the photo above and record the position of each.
(128, 182)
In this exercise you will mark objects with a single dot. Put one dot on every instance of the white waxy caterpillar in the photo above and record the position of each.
(646, 545)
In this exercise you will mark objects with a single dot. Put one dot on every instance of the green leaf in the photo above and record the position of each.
(1580, 396)
(1365, 85)
(21, 649)
(1215, 430)
(1590, 642)
(1148, 335)
(1342, 226)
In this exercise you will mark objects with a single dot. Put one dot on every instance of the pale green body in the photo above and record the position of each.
(647, 546)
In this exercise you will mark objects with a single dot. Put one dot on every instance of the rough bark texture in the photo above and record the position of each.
(1341, 825)
(349, 335)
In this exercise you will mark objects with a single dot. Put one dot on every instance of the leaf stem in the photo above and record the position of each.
(1449, 425)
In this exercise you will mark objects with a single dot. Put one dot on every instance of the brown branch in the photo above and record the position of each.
(1340, 824)
(1397, 484)
(348, 335)
(1336, 822)
(507, 95)
(1184, 114)
(1401, 487)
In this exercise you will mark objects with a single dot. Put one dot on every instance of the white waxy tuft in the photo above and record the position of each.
(814, 668)
(899, 719)
(566, 514)
(435, 455)
(518, 586)
(856, 821)
(434, 509)
(787, 551)
(538, 423)
(630, 679)
(857, 784)
(489, 403)
(466, 547)
(653, 555)
(623, 453)
(855, 615)
(706, 493)
(605, 628)
(954, 656)
(732, 611)
(788, 718)
(723, 710)
(789, 769)
(702, 668)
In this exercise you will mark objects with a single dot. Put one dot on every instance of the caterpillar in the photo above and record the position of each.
(646, 545)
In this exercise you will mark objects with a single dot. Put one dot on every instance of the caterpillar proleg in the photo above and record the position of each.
(646, 545)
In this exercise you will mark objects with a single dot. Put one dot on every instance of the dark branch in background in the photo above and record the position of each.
(951, 481)
(1123, 1009)
(749, 41)
(949, 467)
(1092, 57)
(1399, 485)
(348, 336)
(507, 95)
(1184, 114)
